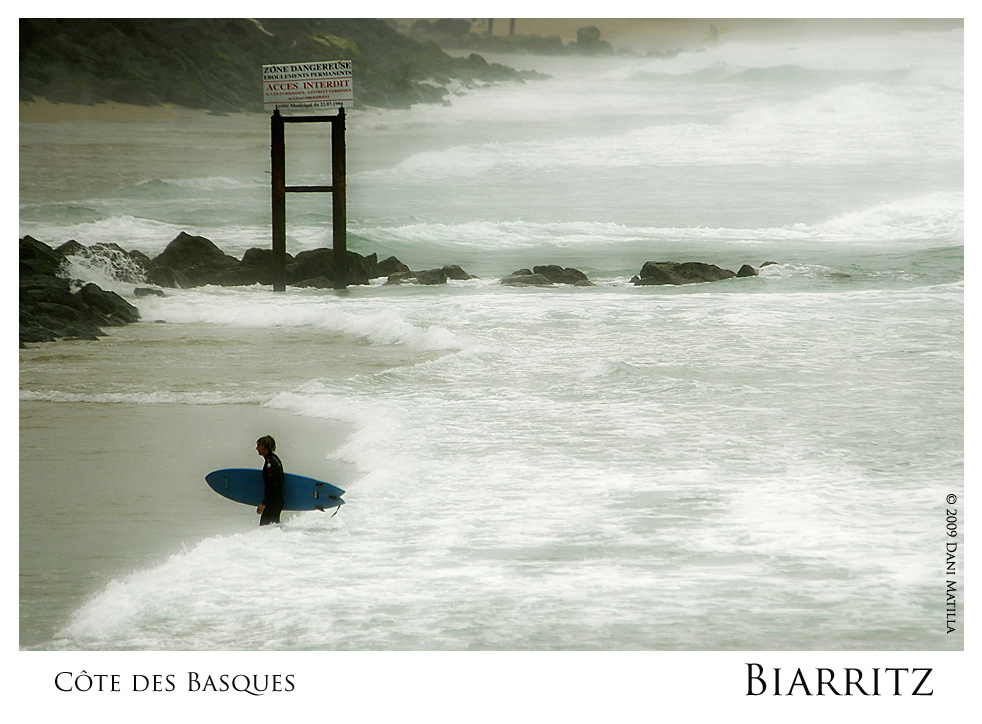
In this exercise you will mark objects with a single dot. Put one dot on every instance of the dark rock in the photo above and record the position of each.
(452, 271)
(389, 266)
(768, 263)
(558, 275)
(546, 275)
(80, 331)
(431, 276)
(526, 278)
(315, 263)
(316, 283)
(141, 260)
(402, 274)
(321, 263)
(242, 276)
(656, 275)
(552, 272)
(30, 334)
(747, 271)
(195, 261)
(262, 258)
(399, 277)
(70, 248)
(48, 308)
(38, 258)
(65, 312)
(48, 327)
(691, 272)
(35, 289)
(198, 259)
(114, 309)
(186, 250)
(256, 267)
(148, 292)
(170, 278)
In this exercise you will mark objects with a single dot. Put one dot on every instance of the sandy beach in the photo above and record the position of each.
(70, 152)
(45, 111)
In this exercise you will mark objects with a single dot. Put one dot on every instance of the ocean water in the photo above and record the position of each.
(756, 463)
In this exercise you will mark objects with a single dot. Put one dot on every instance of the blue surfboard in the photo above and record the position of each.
(245, 485)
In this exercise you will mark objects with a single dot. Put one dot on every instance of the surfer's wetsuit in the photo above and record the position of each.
(273, 493)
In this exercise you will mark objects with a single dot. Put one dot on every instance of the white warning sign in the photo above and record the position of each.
(326, 84)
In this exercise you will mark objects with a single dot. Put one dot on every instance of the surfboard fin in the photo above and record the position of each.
(336, 508)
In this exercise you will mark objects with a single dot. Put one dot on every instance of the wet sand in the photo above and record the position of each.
(44, 111)
(110, 488)
(71, 152)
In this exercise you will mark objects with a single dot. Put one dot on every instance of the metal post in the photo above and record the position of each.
(278, 169)
(280, 189)
(340, 201)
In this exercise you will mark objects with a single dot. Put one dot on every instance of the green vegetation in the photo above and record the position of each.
(217, 63)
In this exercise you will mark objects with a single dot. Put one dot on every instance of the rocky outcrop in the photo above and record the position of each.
(193, 261)
(390, 266)
(432, 277)
(50, 309)
(126, 266)
(525, 278)
(452, 271)
(670, 272)
(546, 276)
(428, 276)
(559, 275)
(320, 264)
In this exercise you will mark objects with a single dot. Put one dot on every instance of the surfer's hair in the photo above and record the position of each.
(267, 442)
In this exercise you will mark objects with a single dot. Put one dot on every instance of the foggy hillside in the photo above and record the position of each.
(216, 63)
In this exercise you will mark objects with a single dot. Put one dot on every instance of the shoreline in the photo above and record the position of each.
(110, 488)
(41, 110)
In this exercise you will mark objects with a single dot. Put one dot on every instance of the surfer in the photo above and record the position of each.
(272, 504)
